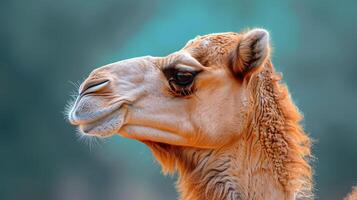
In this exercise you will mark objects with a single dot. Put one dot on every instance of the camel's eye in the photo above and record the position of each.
(183, 78)
(180, 77)
(180, 80)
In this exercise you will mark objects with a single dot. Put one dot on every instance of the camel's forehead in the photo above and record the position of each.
(212, 47)
(212, 39)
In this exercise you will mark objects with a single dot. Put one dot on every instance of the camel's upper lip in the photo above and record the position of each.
(77, 118)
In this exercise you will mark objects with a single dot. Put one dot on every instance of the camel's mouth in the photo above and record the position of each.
(104, 127)
(94, 119)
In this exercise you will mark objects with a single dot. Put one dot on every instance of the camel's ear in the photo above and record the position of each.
(252, 51)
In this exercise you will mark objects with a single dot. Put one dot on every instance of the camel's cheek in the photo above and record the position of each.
(218, 115)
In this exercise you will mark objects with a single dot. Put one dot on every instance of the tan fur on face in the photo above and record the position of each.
(236, 136)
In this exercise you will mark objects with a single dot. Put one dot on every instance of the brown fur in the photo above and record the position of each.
(274, 150)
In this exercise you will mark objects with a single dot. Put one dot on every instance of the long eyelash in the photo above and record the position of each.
(183, 92)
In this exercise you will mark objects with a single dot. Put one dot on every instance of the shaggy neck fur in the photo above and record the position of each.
(268, 161)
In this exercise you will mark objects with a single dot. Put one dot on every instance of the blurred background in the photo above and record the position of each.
(48, 46)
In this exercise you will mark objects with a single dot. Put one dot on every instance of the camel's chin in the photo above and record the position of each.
(104, 127)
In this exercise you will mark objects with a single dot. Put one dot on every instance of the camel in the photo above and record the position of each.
(215, 112)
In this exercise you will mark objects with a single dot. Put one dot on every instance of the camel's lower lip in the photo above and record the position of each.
(105, 127)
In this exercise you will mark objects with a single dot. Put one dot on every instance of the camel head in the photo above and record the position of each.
(195, 97)
(214, 111)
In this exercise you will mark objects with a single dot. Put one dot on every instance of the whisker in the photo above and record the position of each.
(89, 140)
(73, 96)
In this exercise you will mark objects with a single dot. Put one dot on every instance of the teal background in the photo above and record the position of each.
(46, 45)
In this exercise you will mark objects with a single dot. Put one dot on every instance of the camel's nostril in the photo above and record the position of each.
(93, 86)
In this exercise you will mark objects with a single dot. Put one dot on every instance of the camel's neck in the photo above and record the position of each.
(237, 172)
